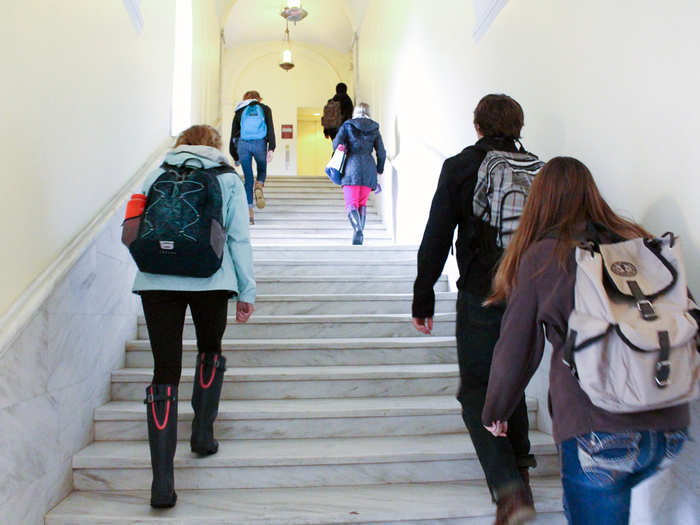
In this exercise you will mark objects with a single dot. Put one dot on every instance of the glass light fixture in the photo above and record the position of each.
(293, 11)
(287, 62)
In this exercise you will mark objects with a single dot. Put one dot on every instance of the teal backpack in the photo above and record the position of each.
(253, 126)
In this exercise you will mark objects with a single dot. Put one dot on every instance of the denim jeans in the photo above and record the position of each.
(600, 469)
(247, 151)
(500, 457)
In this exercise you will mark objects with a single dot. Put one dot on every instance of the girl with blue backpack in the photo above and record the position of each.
(253, 137)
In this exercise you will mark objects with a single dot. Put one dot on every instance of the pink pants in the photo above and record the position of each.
(356, 196)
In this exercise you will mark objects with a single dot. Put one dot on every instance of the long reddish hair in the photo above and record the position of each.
(563, 196)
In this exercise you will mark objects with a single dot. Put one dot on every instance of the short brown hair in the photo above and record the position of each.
(499, 116)
(252, 95)
(199, 135)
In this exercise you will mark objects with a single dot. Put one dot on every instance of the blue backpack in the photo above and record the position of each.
(253, 126)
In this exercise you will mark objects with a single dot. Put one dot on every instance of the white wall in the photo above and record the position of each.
(88, 101)
(608, 82)
(310, 84)
(206, 54)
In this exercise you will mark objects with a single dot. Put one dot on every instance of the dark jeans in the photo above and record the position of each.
(600, 469)
(165, 318)
(500, 457)
(247, 151)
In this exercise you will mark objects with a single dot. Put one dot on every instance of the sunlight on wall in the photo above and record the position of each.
(182, 70)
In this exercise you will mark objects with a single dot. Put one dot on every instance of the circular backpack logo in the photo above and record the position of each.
(624, 269)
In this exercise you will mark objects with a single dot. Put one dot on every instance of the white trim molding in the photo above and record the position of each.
(485, 12)
(25, 307)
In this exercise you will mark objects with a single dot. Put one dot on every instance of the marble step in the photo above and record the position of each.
(283, 232)
(289, 267)
(305, 382)
(347, 304)
(342, 223)
(453, 503)
(308, 462)
(301, 418)
(339, 251)
(329, 194)
(319, 352)
(319, 326)
(339, 284)
(338, 216)
(306, 207)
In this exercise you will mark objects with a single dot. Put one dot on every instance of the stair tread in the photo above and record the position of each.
(308, 451)
(315, 343)
(302, 408)
(305, 506)
(360, 297)
(335, 278)
(328, 318)
(306, 373)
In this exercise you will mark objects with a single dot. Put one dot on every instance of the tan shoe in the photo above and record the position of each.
(252, 215)
(259, 195)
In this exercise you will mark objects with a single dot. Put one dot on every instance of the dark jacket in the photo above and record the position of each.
(360, 136)
(452, 207)
(346, 109)
(539, 308)
(236, 127)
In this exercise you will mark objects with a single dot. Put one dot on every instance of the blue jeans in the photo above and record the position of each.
(247, 151)
(599, 470)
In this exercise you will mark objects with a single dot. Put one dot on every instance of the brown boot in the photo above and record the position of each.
(525, 476)
(252, 215)
(259, 195)
(514, 508)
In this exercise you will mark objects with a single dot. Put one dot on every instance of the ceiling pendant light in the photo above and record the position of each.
(293, 11)
(287, 62)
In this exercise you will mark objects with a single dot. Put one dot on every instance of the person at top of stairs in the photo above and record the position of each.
(166, 296)
(253, 137)
(498, 120)
(360, 136)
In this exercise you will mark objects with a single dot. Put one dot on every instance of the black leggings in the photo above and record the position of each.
(165, 319)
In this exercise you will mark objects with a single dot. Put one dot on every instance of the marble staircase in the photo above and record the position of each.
(334, 409)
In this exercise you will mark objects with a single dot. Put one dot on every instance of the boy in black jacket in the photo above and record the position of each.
(498, 120)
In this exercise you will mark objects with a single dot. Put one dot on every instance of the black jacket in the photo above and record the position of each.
(452, 206)
(346, 109)
(236, 128)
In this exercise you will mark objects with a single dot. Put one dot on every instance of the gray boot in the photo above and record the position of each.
(356, 223)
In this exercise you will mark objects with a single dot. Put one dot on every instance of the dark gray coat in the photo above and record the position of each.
(360, 136)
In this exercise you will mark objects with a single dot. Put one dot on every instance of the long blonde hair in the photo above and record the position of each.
(562, 197)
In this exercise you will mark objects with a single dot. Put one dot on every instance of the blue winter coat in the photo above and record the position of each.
(360, 136)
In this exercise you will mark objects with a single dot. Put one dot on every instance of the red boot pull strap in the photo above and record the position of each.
(167, 411)
(213, 372)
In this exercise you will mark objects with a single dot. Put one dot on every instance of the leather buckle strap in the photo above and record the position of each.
(152, 398)
(218, 361)
(663, 365)
(643, 304)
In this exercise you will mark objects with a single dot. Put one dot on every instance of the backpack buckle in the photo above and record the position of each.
(663, 372)
(647, 310)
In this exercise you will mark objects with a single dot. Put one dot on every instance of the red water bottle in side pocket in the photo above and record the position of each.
(132, 218)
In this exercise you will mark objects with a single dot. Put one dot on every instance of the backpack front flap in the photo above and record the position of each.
(633, 353)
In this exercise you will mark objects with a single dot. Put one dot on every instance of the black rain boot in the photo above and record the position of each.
(363, 217)
(356, 223)
(161, 413)
(208, 380)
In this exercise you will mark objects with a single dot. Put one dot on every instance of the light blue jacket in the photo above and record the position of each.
(236, 272)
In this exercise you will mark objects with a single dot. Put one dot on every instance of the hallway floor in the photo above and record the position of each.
(334, 409)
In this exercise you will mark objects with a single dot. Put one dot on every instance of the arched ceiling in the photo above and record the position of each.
(330, 22)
